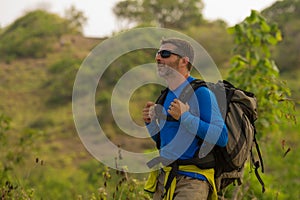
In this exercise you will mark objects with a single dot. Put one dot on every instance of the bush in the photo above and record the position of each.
(32, 35)
(61, 85)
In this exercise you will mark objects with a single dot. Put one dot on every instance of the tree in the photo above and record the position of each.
(64, 72)
(76, 19)
(254, 70)
(162, 13)
(222, 45)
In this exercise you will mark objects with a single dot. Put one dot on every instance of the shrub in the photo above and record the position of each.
(32, 35)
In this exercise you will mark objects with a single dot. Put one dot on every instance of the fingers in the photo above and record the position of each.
(146, 116)
(149, 104)
(174, 109)
(147, 111)
(176, 104)
(177, 108)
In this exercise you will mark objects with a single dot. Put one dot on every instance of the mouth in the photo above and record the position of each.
(161, 65)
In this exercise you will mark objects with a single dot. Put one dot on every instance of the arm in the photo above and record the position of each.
(153, 130)
(209, 125)
(148, 117)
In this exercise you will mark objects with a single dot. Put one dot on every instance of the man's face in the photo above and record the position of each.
(169, 66)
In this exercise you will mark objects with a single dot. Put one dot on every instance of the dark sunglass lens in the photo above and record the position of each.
(165, 53)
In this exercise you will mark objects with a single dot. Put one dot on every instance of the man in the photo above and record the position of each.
(178, 139)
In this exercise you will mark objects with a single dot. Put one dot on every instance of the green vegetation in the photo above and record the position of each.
(286, 14)
(166, 14)
(31, 35)
(42, 156)
(253, 70)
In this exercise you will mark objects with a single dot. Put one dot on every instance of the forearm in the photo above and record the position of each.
(214, 132)
(153, 129)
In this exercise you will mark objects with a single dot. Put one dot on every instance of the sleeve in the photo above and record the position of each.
(153, 130)
(209, 125)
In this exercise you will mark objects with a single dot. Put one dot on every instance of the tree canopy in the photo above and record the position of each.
(162, 13)
(254, 70)
(76, 19)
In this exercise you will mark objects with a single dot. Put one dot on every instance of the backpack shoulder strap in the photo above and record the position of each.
(158, 109)
(190, 88)
(186, 92)
(162, 97)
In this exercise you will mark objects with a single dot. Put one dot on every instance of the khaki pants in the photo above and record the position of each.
(187, 188)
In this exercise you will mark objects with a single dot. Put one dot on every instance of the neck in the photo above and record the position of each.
(175, 82)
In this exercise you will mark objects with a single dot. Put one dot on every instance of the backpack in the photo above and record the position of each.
(239, 112)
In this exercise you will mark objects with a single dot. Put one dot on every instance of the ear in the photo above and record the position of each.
(185, 61)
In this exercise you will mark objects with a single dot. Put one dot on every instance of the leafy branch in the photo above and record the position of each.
(254, 70)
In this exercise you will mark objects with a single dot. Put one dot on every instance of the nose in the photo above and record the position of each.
(158, 57)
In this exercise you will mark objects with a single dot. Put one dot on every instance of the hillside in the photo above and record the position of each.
(41, 150)
(27, 88)
(47, 129)
(25, 95)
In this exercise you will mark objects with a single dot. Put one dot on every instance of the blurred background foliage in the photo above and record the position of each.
(41, 154)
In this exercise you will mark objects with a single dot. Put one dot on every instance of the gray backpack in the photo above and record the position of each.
(239, 112)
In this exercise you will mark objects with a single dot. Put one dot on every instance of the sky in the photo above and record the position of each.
(102, 22)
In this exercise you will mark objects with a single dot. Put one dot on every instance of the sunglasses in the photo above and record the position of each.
(166, 53)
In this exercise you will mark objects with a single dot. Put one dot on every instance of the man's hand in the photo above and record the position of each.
(177, 108)
(148, 112)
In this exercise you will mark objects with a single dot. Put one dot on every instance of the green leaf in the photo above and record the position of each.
(253, 17)
(278, 36)
(239, 29)
(231, 30)
(274, 66)
(265, 27)
(272, 40)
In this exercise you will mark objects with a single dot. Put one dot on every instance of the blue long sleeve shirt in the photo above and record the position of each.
(204, 120)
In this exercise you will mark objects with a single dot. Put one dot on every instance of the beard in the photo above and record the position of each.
(169, 70)
(164, 70)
